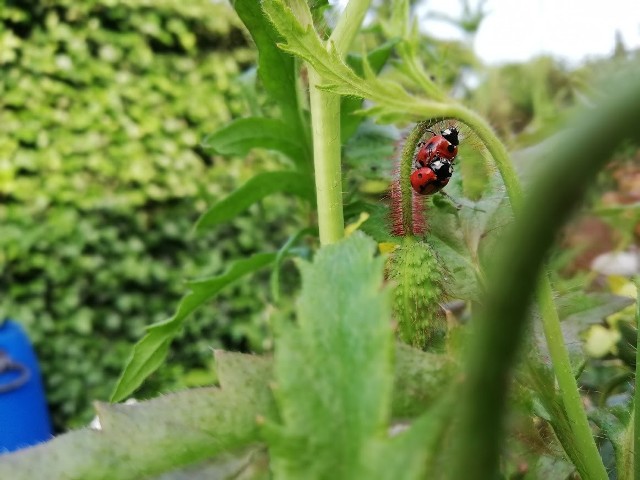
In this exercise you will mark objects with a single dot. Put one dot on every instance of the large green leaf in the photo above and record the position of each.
(149, 353)
(466, 238)
(180, 430)
(242, 135)
(334, 374)
(333, 370)
(258, 187)
(160, 435)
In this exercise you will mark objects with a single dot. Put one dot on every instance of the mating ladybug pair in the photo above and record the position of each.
(434, 162)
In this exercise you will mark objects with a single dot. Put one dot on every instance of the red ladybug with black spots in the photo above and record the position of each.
(444, 146)
(432, 179)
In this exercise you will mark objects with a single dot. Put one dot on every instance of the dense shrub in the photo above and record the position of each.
(103, 107)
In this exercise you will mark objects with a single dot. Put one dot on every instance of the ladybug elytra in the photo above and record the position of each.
(443, 146)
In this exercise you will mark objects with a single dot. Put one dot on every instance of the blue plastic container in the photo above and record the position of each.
(24, 417)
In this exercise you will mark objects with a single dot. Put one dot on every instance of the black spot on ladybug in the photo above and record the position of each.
(451, 148)
(419, 175)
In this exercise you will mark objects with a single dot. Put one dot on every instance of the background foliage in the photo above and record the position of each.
(103, 106)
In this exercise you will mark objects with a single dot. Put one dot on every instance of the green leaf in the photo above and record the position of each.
(276, 68)
(333, 369)
(449, 245)
(393, 101)
(256, 189)
(149, 353)
(178, 430)
(377, 58)
(305, 43)
(159, 435)
(245, 134)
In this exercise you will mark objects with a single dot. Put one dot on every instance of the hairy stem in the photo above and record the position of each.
(406, 165)
(569, 392)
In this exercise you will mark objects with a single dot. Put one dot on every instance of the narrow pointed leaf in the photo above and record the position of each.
(149, 353)
(258, 187)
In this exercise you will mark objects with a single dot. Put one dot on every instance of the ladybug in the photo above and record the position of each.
(443, 146)
(431, 179)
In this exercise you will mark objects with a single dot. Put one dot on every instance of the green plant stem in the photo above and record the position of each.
(325, 126)
(513, 278)
(636, 396)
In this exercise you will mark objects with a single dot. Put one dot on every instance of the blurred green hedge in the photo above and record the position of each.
(103, 106)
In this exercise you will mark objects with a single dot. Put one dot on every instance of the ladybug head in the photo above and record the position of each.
(451, 134)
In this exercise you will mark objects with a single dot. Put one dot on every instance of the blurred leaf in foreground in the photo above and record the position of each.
(334, 375)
